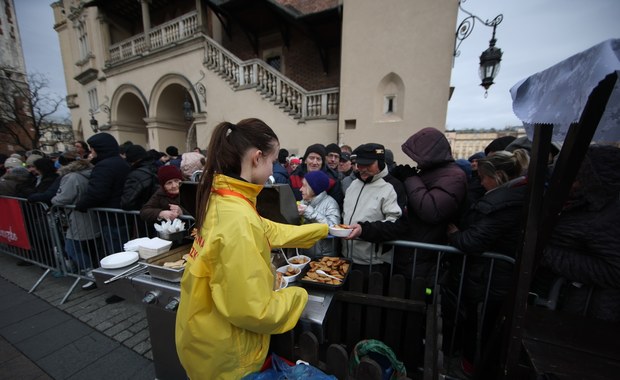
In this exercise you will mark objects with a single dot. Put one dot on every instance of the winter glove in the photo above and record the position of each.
(402, 172)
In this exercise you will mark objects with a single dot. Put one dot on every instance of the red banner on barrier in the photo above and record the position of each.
(12, 224)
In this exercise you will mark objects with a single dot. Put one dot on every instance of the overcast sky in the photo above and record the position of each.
(534, 35)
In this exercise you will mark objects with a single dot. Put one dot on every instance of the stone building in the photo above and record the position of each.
(160, 72)
(12, 73)
(467, 142)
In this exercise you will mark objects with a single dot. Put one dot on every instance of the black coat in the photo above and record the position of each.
(493, 224)
(107, 179)
(140, 185)
(585, 248)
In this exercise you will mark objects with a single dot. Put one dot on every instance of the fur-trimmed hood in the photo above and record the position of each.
(75, 166)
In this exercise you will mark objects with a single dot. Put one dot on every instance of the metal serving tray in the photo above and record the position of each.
(320, 285)
(156, 270)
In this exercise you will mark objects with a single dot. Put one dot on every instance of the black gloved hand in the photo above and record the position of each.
(402, 172)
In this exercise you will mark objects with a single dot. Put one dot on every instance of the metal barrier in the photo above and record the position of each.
(65, 241)
(24, 234)
(451, 279)
(88, 237)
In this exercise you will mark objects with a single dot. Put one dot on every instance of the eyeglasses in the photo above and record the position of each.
(173, 182)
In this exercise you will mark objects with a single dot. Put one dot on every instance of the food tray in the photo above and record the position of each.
(154, 264)
(320, 285)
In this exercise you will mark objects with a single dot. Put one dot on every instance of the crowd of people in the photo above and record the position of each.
(476, 205)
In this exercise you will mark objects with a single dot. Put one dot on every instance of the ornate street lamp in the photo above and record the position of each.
(489, 62)
(490, 58)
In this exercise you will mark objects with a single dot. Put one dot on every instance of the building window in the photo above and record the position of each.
(350, 124)
(82, 40)
(92, 99)
(389, 104)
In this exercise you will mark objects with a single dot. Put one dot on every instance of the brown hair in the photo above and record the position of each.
(503, 165)
(228, 145)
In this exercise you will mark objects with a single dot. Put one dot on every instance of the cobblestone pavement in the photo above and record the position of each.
(124, 322)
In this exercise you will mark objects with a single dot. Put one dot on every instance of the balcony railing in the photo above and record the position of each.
(274, 86)
(254, 73)
(165, 34)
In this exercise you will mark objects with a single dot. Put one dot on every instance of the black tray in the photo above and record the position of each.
(321, 285)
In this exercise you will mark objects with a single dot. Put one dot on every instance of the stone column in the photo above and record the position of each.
(146, 23)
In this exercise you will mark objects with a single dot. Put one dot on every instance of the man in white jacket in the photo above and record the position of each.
(373, 202)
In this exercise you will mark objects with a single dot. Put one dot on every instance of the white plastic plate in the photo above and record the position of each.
(119, 260)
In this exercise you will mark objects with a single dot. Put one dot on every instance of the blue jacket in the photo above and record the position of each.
(280, 173)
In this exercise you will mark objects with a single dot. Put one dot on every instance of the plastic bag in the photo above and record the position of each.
(384, 356)
(280, 370)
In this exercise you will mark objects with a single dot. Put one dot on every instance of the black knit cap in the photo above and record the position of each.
(332, 148)
(135, 153)
(172, 151)
(315, 148)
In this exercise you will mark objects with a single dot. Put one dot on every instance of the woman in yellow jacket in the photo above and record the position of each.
(229, 307)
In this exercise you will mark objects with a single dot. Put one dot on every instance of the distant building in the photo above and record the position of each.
(167, 72)
(12, 73)
(467, 142)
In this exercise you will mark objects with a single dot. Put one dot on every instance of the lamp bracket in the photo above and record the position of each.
(467, 26)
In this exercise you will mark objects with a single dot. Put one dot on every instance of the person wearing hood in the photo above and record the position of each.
(105, 188)
(374, 202)
(436, 191)
(314, 159)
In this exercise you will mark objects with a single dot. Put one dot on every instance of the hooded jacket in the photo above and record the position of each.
(17, 183)
(372, 201)
(74, 179)
(437, 192)
(228, 307)
(107, 179)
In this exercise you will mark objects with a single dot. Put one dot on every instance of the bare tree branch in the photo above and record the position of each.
(26, 110)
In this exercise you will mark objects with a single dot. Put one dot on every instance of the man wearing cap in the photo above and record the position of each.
(345, 168)
(373, 203)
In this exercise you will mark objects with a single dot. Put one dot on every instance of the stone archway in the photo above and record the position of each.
(167, 120)
(129, 108)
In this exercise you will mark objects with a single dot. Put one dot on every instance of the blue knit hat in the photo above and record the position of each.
(318, 181)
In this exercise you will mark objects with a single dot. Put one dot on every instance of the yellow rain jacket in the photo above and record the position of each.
(228, 307)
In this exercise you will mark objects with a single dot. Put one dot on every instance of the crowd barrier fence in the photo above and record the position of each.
(53, 238)
(67, 242)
